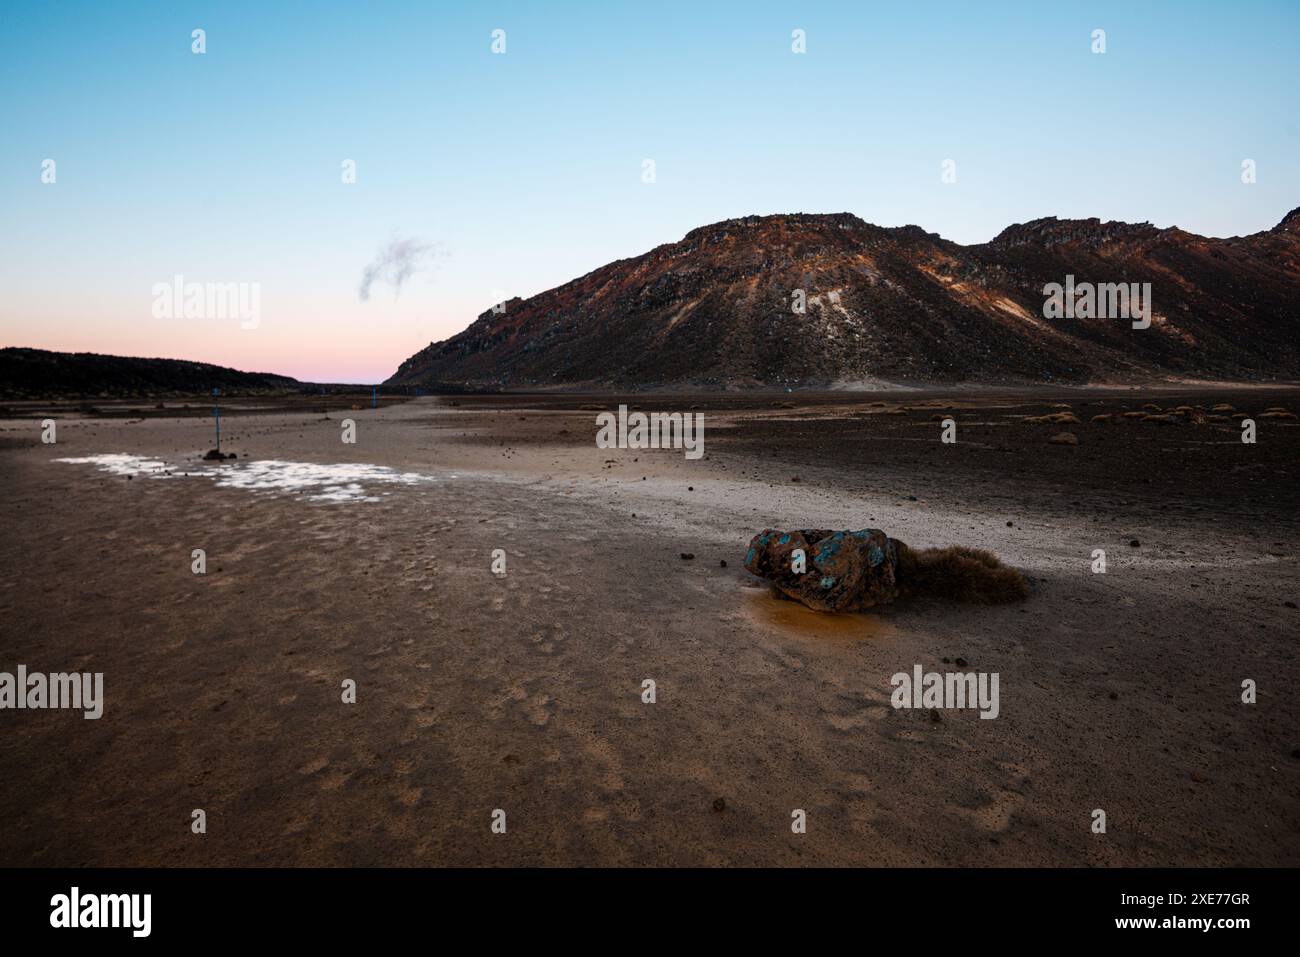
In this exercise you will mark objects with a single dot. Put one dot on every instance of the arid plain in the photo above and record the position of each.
(1119, 691)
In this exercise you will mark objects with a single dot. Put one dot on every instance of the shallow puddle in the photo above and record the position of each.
(340, 482)
(767, 611)
(119, 463)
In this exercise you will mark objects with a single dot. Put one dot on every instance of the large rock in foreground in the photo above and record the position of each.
(849, 571)
(841, 571)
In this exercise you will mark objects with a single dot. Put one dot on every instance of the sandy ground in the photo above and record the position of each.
(223, 691)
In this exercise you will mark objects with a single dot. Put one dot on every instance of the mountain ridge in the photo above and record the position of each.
(713, 310)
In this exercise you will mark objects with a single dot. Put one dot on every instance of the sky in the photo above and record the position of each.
(481, 175)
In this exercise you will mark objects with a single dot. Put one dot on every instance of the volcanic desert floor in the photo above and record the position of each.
(1119, 691)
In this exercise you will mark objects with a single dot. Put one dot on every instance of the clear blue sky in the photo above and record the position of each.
(523, 170)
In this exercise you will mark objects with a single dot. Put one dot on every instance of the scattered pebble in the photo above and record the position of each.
(687, 556)
(719, 805)
(1135, 544)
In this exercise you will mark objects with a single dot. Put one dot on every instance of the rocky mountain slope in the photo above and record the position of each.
(890, 304)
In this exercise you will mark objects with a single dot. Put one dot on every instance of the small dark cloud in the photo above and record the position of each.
(396, 263)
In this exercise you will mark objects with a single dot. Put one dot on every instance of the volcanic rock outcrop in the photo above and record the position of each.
(828, 571)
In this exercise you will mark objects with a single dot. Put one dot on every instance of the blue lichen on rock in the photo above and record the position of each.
(844, 570)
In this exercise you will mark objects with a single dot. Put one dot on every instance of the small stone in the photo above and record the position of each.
(690, 488)
(1289, 604)
(1114, 696)
(1199, 778)
(961, 662)
(794, 478)
(1064, 438)
(935, 715)
(1135, 544)
(687, 556)
(719, 805)
(723, 563)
